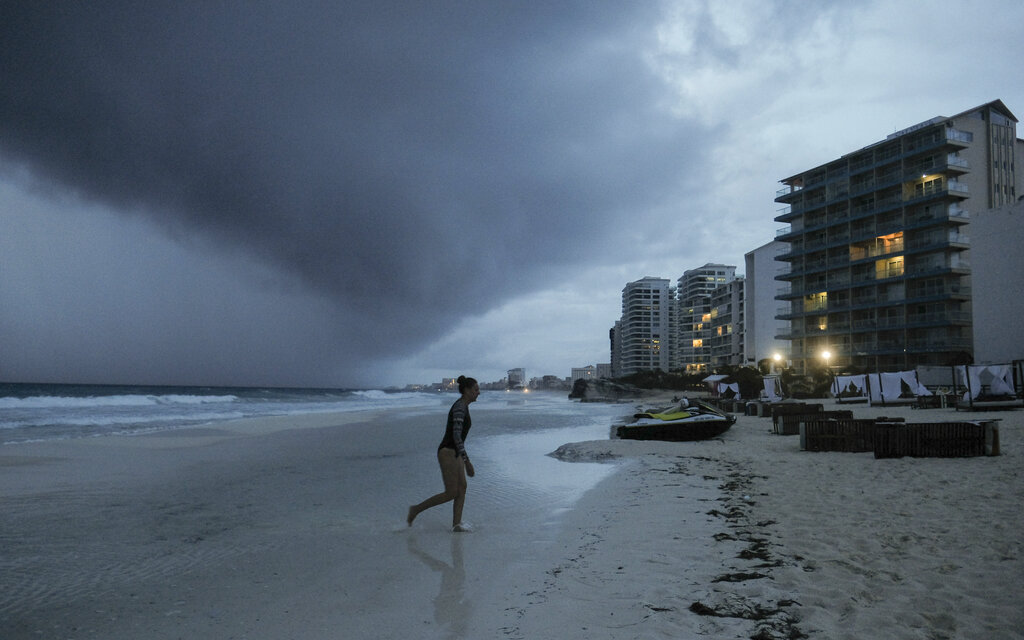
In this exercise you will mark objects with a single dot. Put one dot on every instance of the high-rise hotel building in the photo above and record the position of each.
(879, 274)
(641, 340)
(696, 330)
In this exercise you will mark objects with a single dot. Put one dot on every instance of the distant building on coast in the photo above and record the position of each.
(671, 328)
(516, 378)
(641, 338)
(696, 330)
(588, 372)
(727, 334)
(879, 274)
(591, 372)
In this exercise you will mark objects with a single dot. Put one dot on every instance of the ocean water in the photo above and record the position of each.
(331, 500)
(39, 412)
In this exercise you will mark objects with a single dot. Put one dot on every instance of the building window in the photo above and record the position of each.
(816, 302)
(889, 268)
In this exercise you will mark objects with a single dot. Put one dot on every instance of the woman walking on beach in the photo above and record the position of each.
(452, 456)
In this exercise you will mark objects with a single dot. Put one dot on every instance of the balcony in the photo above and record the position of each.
(876, 250)
(840, 279)
(935, 241)
(949, 164)
(956, 135)
(926, 270)
(877, 206)
(939, 346)
(867, 324)
(929, 217)
(945, 289)
(939, 319)
(787, 190)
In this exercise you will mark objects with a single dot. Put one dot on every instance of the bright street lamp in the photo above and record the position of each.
(826, 354)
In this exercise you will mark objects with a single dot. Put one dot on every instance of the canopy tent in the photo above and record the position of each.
(729, 390)
(895, 386)
(719, 388)
(850, 388)
(712, 382)
(772, 389)
(991, 380)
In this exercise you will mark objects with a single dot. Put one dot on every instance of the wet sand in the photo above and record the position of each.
(296, 529)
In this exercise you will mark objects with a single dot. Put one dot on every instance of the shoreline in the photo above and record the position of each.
(244, 530)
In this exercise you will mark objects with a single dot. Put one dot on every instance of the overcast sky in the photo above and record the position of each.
(374, 193)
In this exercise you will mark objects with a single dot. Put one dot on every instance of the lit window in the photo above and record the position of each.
(889, 267)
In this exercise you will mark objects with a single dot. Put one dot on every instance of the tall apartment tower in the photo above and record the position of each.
(643, 336)
(727, 323)
(516, 378)
(878, 245)
(760, 325)
(693, 338)
(615, 342)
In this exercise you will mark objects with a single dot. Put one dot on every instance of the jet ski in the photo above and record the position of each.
(680, 422)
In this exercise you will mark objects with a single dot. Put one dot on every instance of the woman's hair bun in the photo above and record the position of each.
(461, 379)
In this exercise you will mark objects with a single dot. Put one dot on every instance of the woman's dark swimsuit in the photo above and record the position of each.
(455, 433)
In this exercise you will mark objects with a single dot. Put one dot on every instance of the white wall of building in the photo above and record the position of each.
(761, 306)
(997, 280)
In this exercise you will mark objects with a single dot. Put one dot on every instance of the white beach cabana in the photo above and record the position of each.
(850, 388)
(987, 383)
(718, 387)
(772, 389)
(888, 387)
(990, 379)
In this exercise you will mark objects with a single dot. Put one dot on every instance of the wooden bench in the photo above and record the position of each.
(937, 439)
(789, 423)
(838, 435)
(888, 438)
(791, 408)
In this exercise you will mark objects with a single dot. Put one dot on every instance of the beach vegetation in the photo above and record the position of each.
(658, 379)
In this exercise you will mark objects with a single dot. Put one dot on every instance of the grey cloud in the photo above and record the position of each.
(400, 158)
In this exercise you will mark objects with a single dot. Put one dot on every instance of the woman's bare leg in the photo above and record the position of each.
(460, 492)
(453, 472)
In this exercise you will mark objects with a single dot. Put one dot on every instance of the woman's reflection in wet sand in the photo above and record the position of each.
(451, 607)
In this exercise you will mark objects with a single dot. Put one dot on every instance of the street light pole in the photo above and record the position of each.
(826, 355)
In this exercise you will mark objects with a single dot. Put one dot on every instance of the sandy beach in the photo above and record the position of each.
(293, 528)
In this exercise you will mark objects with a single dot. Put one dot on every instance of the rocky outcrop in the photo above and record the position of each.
(608, 391)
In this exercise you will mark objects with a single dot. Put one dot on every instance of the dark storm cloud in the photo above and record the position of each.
(415, 161)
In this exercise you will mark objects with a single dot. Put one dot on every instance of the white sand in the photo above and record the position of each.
(848, 546)
(223, 533)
